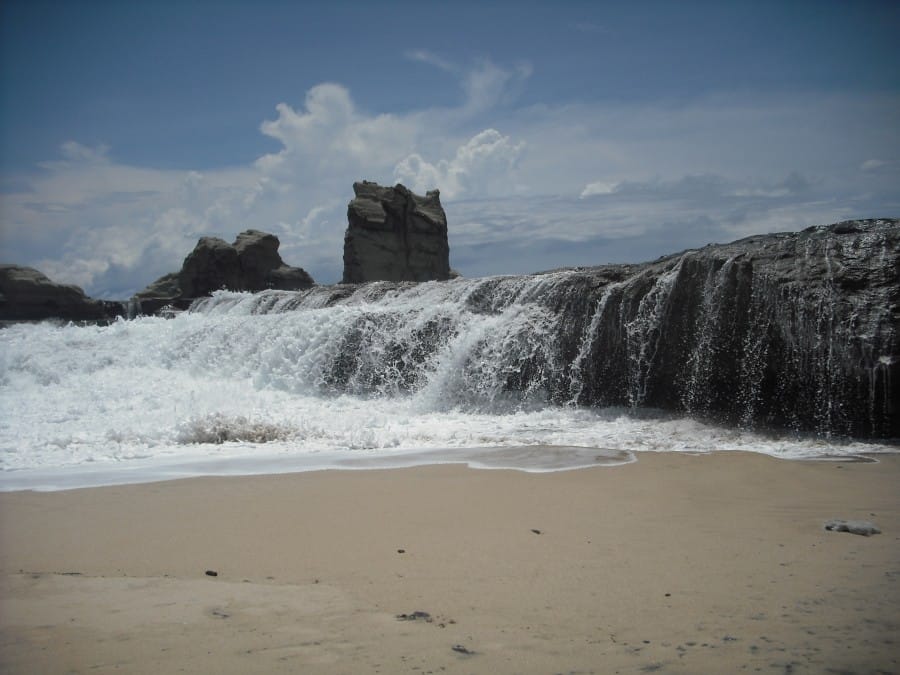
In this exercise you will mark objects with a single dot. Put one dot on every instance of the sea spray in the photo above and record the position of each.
(707, 350)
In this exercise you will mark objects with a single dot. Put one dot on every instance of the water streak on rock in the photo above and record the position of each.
(796, 331)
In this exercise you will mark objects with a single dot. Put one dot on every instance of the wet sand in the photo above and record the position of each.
(673, 564)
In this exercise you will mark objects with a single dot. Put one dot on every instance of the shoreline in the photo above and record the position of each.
(534, 459)
(675, 563)
(523, 458)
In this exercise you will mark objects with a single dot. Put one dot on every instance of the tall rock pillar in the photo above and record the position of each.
(395, 235)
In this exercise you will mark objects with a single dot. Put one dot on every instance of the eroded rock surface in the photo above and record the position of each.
(27, 294)
(251, 263)
(395, 235)
(796, 331)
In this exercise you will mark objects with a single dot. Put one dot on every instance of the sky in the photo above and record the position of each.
(559, 133)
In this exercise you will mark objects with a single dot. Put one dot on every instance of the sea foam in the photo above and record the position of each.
(288, 382)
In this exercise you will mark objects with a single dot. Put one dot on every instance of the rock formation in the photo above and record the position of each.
(797, 331)
(213, 264)
(793, 330)
(27, 294)
(251, 263)
(262, 266)
(395, 235)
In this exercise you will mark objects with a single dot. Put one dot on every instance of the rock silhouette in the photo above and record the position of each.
(29, 295)
(395, 235)
(251, 263)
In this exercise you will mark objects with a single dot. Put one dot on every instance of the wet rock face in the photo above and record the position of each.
(395, 235)
(27, 294)
(251, 263)
(798, 331)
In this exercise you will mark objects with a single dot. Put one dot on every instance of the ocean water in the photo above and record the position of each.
(278, 382)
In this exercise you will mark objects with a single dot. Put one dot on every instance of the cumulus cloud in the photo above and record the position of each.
(86, 217)
(483, 165)
(330, 135)
(110, 227)
(525, 188)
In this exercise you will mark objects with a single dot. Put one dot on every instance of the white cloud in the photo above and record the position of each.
(794, 185)
(432, 59)
(76, 152)
(328, 107)
(599, 188)
(86, 216)
(313, 216)
(487, 85)
(580, 183)
(330, 135)
(88, 219)
(878, 164)
(481, 166)
(484, 84)
(872, 164)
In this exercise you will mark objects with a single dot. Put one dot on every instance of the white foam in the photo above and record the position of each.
(233, 391)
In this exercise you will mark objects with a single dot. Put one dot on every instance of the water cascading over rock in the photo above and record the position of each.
(798, 331)
(795, 330)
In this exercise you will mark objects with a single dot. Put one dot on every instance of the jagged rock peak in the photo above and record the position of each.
(251, 263)
(394, 234)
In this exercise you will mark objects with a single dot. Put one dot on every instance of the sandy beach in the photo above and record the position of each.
(673, 564)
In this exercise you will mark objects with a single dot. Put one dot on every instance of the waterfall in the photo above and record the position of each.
(721, 333)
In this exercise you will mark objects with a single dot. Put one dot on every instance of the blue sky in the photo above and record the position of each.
(559, 133)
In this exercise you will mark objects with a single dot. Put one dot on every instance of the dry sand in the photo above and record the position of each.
(674, 564)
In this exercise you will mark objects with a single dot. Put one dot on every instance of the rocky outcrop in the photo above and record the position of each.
(794, 330)
(251, 263)
(262, 266)
(797, 331)
(213, 264)
(28, 295)
(395, 235)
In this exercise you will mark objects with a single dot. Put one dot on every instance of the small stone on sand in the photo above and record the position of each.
(862, 527)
